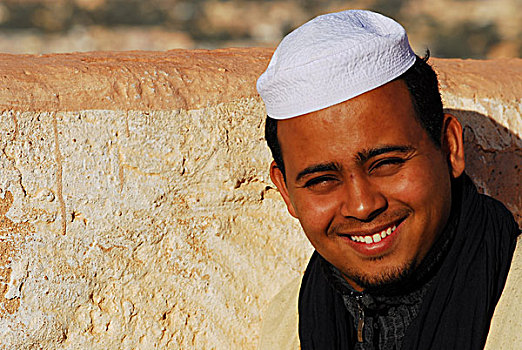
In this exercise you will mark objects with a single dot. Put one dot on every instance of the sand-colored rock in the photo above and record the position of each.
(136, 210)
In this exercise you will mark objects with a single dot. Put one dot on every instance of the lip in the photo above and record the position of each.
(375, 249)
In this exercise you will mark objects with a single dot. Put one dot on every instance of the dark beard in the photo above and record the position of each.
(390, 279)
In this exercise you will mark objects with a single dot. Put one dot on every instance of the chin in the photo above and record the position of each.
(387, 277)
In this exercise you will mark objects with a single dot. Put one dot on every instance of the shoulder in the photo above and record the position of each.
(506, 325)
(279, 328)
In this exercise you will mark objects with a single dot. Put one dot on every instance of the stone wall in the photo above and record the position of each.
(136, 211)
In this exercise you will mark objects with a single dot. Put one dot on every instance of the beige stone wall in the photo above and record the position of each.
(136, 210)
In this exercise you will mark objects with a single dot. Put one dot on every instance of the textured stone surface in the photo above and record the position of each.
(136, 210)
(145, 81)
(485, 96)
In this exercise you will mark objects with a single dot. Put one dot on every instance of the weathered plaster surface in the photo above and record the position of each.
(136, 210)
(486, 97)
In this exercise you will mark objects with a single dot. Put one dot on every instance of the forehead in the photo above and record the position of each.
(382, 116)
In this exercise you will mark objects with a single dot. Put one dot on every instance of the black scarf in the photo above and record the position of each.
(462, 290)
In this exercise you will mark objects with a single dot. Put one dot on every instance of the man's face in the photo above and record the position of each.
(370, 189)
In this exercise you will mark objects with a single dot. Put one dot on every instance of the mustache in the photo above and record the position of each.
(352, 225)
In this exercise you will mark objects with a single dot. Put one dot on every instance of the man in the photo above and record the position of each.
(407, 254)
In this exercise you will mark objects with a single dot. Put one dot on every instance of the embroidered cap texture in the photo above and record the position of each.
(331, 59)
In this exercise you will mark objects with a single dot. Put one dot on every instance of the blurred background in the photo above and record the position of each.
(449, 28)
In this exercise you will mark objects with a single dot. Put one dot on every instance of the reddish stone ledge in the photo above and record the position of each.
(177, 79)
(481, 78)
(188, 79)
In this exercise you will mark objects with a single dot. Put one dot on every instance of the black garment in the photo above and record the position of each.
(385, 317)
(458, 283)
(387, 312)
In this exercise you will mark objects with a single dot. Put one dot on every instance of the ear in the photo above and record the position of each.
(279, 180)
(453, 145)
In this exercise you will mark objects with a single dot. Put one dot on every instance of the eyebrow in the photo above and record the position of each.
(316, 168)
(367, 154)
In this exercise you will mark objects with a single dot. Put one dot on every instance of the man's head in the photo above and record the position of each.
(369, 176)
(421, 81)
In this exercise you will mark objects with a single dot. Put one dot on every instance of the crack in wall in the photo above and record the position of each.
(127, 131)
(59, 171)
(15, 120)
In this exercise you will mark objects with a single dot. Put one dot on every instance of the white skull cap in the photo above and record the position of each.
(331, 59)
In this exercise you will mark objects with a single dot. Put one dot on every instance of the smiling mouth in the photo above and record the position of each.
(374, 238)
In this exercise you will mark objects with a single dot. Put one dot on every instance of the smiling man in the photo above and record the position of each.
(407, 254)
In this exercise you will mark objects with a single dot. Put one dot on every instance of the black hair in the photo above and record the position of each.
(421, 81)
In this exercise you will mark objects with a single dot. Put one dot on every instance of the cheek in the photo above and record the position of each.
(426, 189)
(315, 212)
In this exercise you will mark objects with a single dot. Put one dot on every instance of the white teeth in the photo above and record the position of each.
(374, 238)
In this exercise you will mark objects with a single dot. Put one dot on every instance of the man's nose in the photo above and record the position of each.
(362, 200)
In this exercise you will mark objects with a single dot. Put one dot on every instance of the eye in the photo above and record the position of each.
(387, 165)
(320, 183)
